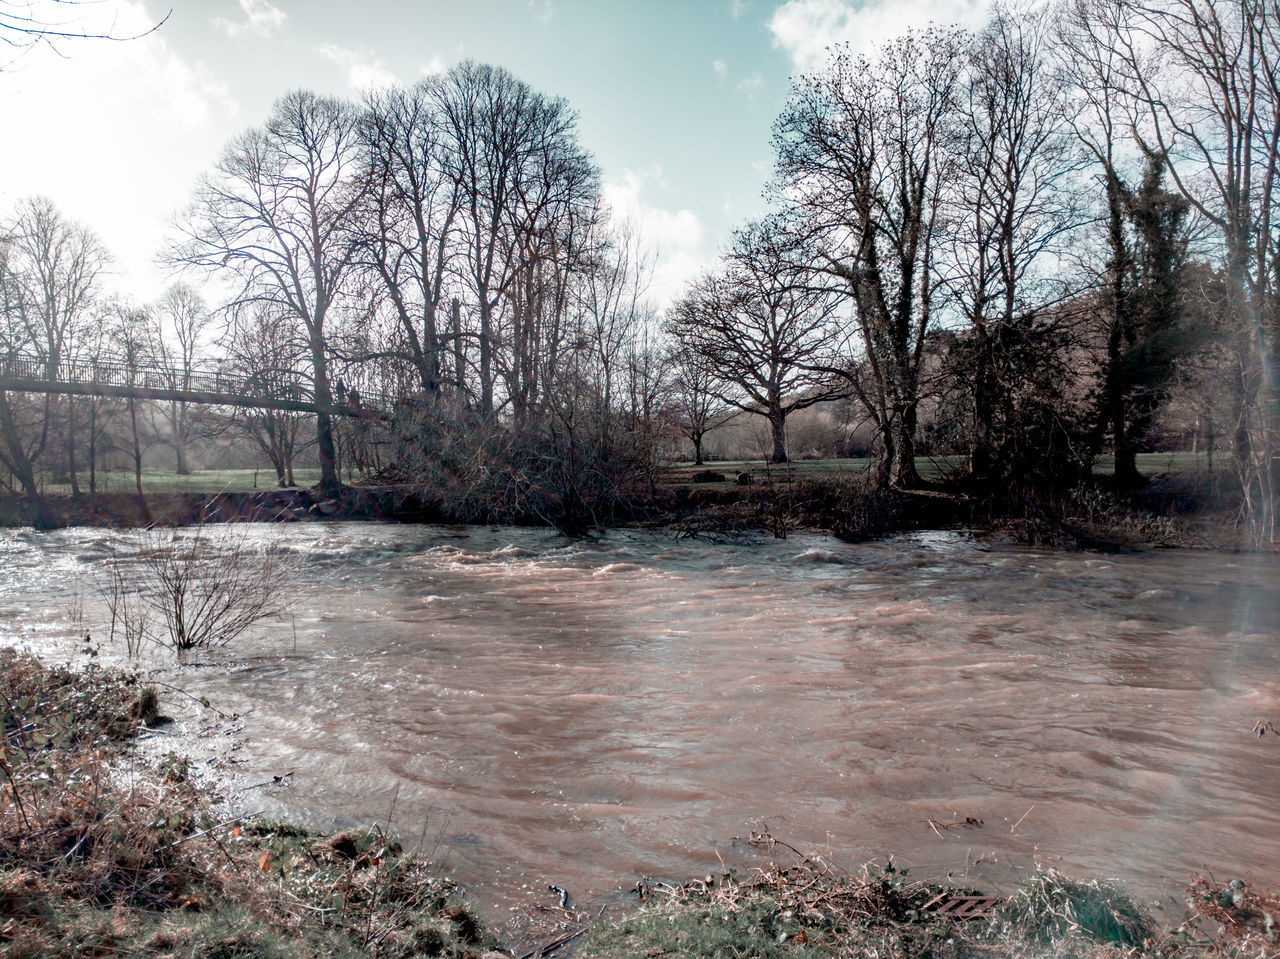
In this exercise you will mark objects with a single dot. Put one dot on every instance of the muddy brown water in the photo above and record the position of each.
(543, 711)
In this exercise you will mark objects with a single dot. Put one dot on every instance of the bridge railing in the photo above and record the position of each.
(151, 375)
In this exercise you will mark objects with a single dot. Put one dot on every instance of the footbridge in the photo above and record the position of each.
(152, 380)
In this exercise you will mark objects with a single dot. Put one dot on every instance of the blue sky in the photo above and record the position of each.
(675, 99)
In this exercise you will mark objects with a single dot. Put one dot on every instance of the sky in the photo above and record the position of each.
(675, 98)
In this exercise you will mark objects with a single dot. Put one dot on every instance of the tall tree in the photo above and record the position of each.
(274, 217)
(406, 224)
(1009, 212)
(862, 153)
(1203, 77)
(526, 184)
(768, 334)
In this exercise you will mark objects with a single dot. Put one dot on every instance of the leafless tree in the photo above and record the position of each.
(1203, 77)
(695, 397)
(133, 334)
(862, 159)
(526, 187)
(404, 229)
(50, 269)
(263, 347)
(274, 217)
(767, 334)
(185, 321)
(1009, 211)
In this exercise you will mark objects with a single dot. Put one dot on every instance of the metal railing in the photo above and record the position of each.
(148, 376)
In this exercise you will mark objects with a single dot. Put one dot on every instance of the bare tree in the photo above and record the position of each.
(695, 397)
(767, 335)
(263, 347)
(404, 227)
(1009, 209)
(274, 217)
(1203, 78)
(526, 186)
(50, 268)
(862, 148)
(133, 335)
(185, 321)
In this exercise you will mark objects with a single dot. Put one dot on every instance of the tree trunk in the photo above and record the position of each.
(486, 359)
(180, 440)
(71, 446)
(330, 481)
(904, 475)
(21, 467)
(137, 447)
(778, 431)
(93, 448)
(981, 458)
(459, 357)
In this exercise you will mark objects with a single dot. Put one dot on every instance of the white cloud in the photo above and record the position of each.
(806, 28)
(677, 237)
(544, 10)
(115, 134)
(720, 67)
(433, 66)
(260, 19)
(750, 85)
(738, 7)
(364, 70)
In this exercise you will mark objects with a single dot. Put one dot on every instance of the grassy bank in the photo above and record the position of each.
(1184, 504)
(103, 855)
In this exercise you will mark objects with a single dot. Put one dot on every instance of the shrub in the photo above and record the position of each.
(195, 589)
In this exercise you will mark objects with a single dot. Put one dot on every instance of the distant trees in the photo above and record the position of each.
(695, 397)
(50, 268)
(184, 320)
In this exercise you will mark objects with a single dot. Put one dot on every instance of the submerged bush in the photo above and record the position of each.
(1051, 907)
(193, 589)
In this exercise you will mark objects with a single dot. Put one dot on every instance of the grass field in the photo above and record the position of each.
(931, 468)
(203, 481)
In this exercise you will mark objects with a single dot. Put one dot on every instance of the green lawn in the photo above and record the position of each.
(203, 481)
(929, 467)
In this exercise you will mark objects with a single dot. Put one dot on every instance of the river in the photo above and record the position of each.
(584, 713)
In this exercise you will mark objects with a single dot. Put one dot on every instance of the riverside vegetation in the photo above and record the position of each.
(103, 853)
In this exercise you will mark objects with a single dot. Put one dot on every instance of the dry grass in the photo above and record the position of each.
(810, 910)
(94, 862)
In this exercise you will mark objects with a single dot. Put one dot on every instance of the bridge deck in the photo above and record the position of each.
(30, 374)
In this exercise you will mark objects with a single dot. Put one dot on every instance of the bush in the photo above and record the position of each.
(1051, 907)
(195, 589)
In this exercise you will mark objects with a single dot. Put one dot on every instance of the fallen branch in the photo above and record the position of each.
(214, 827)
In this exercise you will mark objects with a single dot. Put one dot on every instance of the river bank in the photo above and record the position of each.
(105, 853)
(1172, 510)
